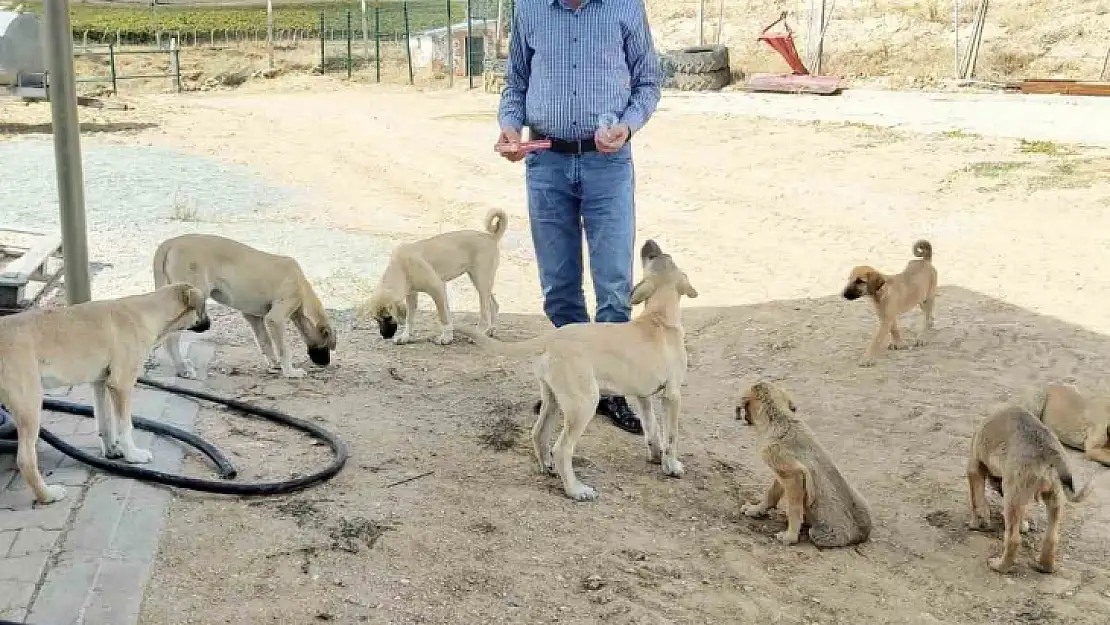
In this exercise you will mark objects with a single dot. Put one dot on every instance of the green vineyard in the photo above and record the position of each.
(139, 23)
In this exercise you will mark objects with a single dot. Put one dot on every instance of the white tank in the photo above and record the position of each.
(21, 45)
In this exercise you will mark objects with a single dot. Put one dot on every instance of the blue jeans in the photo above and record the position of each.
(569, 194)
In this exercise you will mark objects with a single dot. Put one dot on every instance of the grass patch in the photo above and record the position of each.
(183, 210)
(993, 169)
(1048, 148)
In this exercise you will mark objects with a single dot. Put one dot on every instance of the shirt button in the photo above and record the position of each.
(575, 66)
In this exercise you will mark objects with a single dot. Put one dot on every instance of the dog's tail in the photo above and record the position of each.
(496, 222)
(923, 249)
(1060, 463)
(158, 265)
(530, 347)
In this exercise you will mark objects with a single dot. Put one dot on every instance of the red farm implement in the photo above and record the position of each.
(799, 80)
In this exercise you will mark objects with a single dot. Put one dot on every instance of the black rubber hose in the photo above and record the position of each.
(339, 449)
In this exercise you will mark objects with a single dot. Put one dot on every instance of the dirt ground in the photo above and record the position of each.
(766, 216)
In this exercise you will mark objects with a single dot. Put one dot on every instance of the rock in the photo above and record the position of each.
(593, 582)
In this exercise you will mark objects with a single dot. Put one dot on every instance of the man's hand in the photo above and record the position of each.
(611, 139)
(508, 135)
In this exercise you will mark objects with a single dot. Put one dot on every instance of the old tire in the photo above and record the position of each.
(712, 81)
(698, 59)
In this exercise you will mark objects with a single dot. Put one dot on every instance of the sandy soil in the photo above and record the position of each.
(766, 216)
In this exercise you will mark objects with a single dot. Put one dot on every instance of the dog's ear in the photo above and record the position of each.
(875, 281)
(194, 300)
(642, 291)
(790, 405)
(328, 334)
(687, 289)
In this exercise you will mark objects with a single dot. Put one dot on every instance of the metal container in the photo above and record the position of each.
(22, 48)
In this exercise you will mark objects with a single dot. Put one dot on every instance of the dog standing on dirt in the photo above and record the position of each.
(1082, 423)
(267, 289)
(1024, 461)
(103, 343)
(815, 491)
(895, 294)
(639, 359)
(426, 266)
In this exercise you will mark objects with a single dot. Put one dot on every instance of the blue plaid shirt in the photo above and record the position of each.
(568, 66)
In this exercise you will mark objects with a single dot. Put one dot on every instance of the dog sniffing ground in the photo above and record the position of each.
(766, 217)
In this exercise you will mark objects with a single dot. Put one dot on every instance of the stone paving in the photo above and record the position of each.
(85, 560)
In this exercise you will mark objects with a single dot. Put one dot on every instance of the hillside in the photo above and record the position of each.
(907, 38)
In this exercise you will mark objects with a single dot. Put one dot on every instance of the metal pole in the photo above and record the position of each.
(497, 35)
(377, 44)
(701, 22)
(956, 39)
(720, 22)
(469, 52)
(270, 34)
(1105, 65)
(112, 66)
(365, 33)
(408, 42)
(322, 42)
(450, 49)
(348, 44)
(175, 63)
(62, 87)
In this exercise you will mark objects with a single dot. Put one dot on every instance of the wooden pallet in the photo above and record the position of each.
(25, 267)
(1065, 87)
(794, 83)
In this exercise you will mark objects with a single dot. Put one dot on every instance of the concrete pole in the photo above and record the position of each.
(67, 149)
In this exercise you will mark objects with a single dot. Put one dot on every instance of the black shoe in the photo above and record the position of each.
(617, 409)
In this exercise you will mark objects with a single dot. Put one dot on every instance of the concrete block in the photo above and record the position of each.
(6, 540)
(64, 592)
(33, 540)
(28, 568)
(117, 596)
(16, 595)
(16, 511)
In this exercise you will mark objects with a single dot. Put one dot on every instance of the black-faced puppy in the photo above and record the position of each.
(267, 289)
(575, 363)
(816, 493)
(101, 342)
(426, 266)
(1014, 450)
(895, 294)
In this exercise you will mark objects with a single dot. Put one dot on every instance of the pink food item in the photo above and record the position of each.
(523, 146)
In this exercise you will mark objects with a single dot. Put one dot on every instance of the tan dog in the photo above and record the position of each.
(638, 359)
(101, 342)
(895, 294)
(1082, 423)
(816, 493)
(269, 290)
(1024, 461)
(427, 266)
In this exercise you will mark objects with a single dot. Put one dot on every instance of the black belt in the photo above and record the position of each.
(561, 146)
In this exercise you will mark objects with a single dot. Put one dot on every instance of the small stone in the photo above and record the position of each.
(404, 582)
(593, 582)
(748, 588)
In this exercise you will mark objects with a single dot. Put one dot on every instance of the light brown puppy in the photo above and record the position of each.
(1080, 422)
(1025, 461)
(894, 294)
(427, 266)
(267, 289)
(101, 342)
(816, 493)
(639, 359)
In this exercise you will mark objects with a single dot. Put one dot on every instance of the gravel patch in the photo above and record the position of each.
(137, 196)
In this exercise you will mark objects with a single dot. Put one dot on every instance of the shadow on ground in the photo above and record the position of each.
(46, 129)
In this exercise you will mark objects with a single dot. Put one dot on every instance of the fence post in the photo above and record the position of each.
(469, 52)
(450, 49)
(322, 42)
(408, 43)
(365, 33)
(348, 44)
(112, 66)
(175, 63)
(377, 44)
(269, 34)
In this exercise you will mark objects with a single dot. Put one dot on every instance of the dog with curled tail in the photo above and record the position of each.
(893, 295)
(426, 266)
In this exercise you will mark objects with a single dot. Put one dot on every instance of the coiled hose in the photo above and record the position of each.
(224, 468)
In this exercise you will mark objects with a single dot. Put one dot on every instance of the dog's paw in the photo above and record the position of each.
(138, 456)
(999, 565)
(548, 468)
(1044, 567)
(444, 339)
(673, 468)
(581, 492)
(866, 362)
(919, 342)
(896, 346)
(294, 372)
(754, 511)
(787, 538)
(655, 455)
(402, 338)
(111, 452)
(54, 492)
(979, 525)
(490, 331)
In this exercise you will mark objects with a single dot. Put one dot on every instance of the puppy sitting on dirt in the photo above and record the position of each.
(268, 289)
(638, 359)
(101, 342)
(1082, 423)
(427, 266)
(895, 294)
(816, 493)
(1024, 460)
